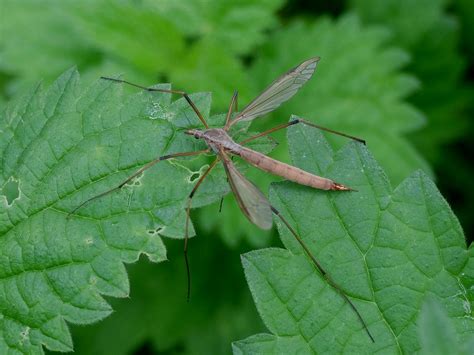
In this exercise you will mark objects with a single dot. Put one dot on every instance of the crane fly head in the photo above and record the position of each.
(194, 132)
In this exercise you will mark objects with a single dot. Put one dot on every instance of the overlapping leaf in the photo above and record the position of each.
(194, 44)
(60, 146)
(438, 334)
(389, 249)
(236, 26)
(431, 35)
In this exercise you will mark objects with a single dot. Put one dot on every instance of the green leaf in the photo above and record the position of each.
(207, 66)
(58, 147)
(430, 31)
(388, 249)
(194, 44)
(437, 332)
(131, 32)
(219, 311)
(431, 35)
(237, 26)
(410, 20)
(357, 89)
(465, 12)
(38, 54)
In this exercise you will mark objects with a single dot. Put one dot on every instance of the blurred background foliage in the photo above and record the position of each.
(398, 73)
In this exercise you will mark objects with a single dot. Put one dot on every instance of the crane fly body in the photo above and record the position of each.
(252, 202)
(218, 137)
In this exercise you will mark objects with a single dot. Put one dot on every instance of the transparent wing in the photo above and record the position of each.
(252, 202)
(279, 91)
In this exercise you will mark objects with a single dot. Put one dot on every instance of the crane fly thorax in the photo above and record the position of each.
(217, 138)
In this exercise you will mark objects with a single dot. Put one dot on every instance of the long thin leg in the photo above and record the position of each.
(179, 92)
(138, 172)
(232, 106)
(322, 271)
(300, 120)
(186, 231)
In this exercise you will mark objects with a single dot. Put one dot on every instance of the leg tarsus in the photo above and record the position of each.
(186, 230)
(296, 121)
(179, 92)
(311, 124)
(322, 271)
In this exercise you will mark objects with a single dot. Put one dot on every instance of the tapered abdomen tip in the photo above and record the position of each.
(340, 187)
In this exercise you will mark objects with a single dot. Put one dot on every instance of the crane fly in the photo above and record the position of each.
(253, 203)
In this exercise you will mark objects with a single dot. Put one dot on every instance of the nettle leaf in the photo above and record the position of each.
(236, 26)
(465, 12)
(42, 53)
(431, 35)
(207, 66)
(389, 250)
(400, 16)
(160, 317)
(194, 44)
(357, 89)
(60, 146)
(131, 32)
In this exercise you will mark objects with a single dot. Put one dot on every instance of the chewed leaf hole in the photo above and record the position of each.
(11, 190)
(155, 231)
(135, 181)
(158, 111)
(194, 176)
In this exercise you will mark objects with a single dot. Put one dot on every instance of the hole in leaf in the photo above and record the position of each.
(194, 176)
(11, 190)
(155, 231)
(135, 181)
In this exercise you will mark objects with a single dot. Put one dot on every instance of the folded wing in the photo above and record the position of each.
(251, 200)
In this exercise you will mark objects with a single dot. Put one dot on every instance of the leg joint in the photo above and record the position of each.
(164, 157)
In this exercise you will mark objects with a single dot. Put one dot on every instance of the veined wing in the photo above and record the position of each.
(279, 91)
(251, 200)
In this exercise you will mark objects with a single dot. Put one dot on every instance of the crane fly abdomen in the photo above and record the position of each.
(286, 171)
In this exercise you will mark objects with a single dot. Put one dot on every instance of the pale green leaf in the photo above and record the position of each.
(60, 146)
